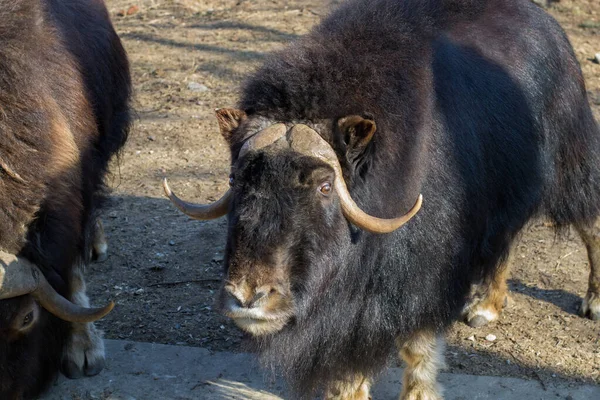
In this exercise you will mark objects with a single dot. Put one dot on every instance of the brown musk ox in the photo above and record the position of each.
(64, 111)
(478, 105)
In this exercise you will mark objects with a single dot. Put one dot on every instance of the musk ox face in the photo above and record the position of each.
(282, 211)
(289, 209)
(18, 317)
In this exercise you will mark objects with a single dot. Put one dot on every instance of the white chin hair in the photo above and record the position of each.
(257, 327)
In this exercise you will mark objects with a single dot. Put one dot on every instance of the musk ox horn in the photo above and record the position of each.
(219, 208)
(263, 138)
(199, 211)
(307, 141)
(19, 277)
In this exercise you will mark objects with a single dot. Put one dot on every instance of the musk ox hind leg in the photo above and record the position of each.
(488, 298)
(590, 306)
(355, 388)
(99, 245)
(423, 354)
(84, 352)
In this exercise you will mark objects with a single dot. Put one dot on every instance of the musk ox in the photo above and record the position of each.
(478, 105)
(64, 111)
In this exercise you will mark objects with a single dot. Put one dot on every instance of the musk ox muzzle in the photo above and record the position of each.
(19, 277)
(306, 141)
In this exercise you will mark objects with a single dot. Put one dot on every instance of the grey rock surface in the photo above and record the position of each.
(141, 371)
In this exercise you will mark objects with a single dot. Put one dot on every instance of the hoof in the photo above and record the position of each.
(590, 307)
(100, 251)
(84, 355)
(477, 322)
(421, 393)
(100, 257)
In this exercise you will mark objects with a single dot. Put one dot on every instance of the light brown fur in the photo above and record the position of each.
(488, 298)
(590, 306)
(356, 388)
(423, 354)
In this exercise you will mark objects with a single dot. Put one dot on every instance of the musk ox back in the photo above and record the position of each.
(478, 105)
(64, 111)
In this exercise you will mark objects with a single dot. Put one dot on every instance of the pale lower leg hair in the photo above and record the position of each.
(84, 354)
(423, 354)
(99, 245)
(488, 298)
(590, 307)
(355, 388)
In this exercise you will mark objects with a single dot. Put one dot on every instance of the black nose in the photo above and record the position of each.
(249, 298)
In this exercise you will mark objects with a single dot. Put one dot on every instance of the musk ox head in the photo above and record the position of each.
(21, 278)
(287, 204)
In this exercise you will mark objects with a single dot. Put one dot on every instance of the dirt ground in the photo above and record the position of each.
(189, 57)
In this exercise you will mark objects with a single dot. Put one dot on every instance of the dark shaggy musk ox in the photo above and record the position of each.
(64, 111)
(478, 105)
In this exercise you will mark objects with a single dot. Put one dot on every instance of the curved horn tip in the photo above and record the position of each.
(418, 203)
(166, 187)
(106, 309)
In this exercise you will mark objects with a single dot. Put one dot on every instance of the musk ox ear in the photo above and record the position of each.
(357, 132)
(229, 119)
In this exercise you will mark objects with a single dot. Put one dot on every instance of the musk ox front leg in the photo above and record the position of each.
(590, 307)
(355, 388)
(423, 354)
(488, 298)
(84, 352)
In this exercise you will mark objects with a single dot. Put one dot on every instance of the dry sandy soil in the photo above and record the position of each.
(189, 57)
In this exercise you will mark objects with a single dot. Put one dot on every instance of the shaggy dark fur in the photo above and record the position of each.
(61, 66)
(479, 104)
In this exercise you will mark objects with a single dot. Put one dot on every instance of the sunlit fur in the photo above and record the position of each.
(64, 101)
(480, 106)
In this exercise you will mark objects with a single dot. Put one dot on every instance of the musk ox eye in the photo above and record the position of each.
(325, 188)
(28, 319)
(231, 180)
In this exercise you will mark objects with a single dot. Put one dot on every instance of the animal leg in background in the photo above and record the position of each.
(590, 307)
(99, 245)
(423, 354)
(84, 353)
(356, 388)
(488, 298)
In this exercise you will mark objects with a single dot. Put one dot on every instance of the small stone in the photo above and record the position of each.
(218, 257)
(471, 338)
(151, 138)
(490, 337)
(197, 87)
(171, 243)
(132, 10)
(138, 292)
(597, 58)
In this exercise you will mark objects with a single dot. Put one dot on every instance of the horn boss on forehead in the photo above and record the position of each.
(307, 141)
